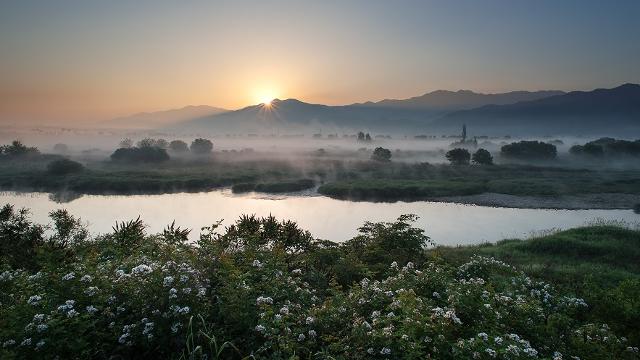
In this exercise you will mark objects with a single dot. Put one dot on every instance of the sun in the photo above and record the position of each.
(265, 97)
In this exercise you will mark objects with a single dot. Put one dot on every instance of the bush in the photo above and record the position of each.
(140, 155)
(482, 157)
(178, 146)
(381, 154)
(588, 149)
(201, 146)
(64, 167)
(61, 148)
(264, 288)
(529, 150)
(17, 149)
(458, 156)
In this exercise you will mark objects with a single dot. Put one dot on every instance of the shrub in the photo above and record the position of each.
(178, 146)
(17, 149)
(140, 155)
(529, 150)
(61, 148)
(201, 146)
(64, 167)
(381, 154)
(482, 157)
(458, 156)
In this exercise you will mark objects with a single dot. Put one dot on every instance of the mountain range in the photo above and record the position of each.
(602, 111)
(150, 120)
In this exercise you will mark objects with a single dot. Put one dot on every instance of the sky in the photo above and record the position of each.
(83, 60)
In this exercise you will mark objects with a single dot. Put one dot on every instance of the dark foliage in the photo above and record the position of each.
(458, 156)
(381, 154)
(482, 157)
(178, 146)
(201, 146)
(529, 150)
(140, 155)
(64, 167)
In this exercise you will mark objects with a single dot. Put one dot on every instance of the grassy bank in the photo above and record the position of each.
(344, 179)
(266, 289)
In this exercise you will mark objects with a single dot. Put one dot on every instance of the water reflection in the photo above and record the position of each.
(448, 224)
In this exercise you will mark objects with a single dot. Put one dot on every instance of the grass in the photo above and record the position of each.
(598, 263)
(345, 179)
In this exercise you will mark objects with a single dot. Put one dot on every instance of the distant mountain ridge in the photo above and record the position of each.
(393, 116)
(462, 99)
(150, 120)
(616, 110)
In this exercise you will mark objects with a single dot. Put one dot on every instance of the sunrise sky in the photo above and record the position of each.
(90, 60)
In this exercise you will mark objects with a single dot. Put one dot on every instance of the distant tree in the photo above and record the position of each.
(61, 148)
(161, 143)
(458, 156)
(529, 150)
(178, 146)
(64, 167)
(360, 136)
(588, 149)
(140, 155)
(146, 143)
(367, 137)
(381, 154)
(17, 149)
(201, 146)
(126, 143)
(482, 157)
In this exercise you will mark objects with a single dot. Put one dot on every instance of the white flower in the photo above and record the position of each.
(38, 318)
(491, 352)
(186, 290)
(278, 317)
(33, 300)
(8, 343)
(264, 300)
(26, 342)
(385, 350)
(483, 336)
(394, 266)
(301, 337)
(297, 271)
(91, 290)
(370, 351)
(175, 327)
(123, 338)
(86, 278)
(42, 327)
(260, 328)
(167, 281)
(91, 309)
(69, 276)
(284, 310)
(173, 293)
(120, 273)
(436, 295)
(141, 269)
(312, 333)
(72, 313)
(185, 310)
(257, 264)
(309, 320)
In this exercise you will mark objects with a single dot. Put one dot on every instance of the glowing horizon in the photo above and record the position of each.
(87, 61)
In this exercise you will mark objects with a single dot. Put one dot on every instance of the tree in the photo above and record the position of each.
(588, 149)
(529, 150)
(201, 146)
(178, 146)
(161, 143)
(482, 157)
(360, 136)
(381, 154)
(367, 137)
(64, 167)
(458, 156)
(146, 143)
(138, 155)
(17, 149)
(126, 143)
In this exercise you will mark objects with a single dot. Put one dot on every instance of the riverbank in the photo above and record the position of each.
(603, 201)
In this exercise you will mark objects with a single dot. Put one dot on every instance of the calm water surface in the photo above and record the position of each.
(445, 223)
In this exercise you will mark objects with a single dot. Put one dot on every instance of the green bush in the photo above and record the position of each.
(64, 167)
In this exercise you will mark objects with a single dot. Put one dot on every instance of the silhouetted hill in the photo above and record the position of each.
(462, 99)
(391, 116)
(601, 111)
(150, 120)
